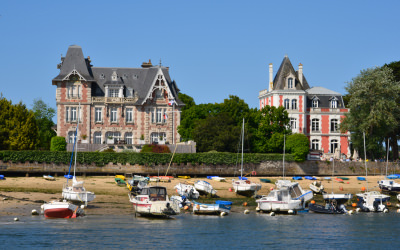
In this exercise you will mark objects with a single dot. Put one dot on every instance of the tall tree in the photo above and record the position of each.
(374, 109)
(44, 117)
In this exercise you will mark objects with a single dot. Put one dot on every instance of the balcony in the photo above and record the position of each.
(263, 92)
(115, 100)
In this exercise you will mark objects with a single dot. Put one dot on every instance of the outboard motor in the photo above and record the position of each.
(342, 207)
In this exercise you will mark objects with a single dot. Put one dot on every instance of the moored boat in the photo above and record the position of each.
(317, 187)
(186, 190)
(205, 187)
(334, 204)
(61, 209)
(154, 201)
(49, 177)
(372, 201)
(211, 209)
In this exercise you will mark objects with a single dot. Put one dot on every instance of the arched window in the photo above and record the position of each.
(315, 103)
(290, 83)
(315, 125)
(113, 135)
(286, 104)
(294, 104)
(71, 136)
(315, 144)
(334, 125)
(97, 138)
(334, 145)
(156, 137)
(128, 138)
(333, 104)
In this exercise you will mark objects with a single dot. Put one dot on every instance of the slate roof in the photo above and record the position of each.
(324, 96)
(284, 70)
(139, 79)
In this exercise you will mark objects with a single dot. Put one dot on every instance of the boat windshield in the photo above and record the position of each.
(295, 191)
(156, 193)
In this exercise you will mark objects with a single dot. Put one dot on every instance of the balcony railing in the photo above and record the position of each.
(263, 92)
(115, 99)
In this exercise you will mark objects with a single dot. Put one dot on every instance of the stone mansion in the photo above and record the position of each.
(117, 105)
(315, 112)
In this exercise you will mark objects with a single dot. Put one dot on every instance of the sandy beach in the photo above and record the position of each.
(19, 195)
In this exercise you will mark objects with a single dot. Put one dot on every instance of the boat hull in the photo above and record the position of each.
(85, 196)
(210, 209)
(145, 207)
(204, 187)
(61, 210)
(389, 185)
(316, 208)
(279, 206)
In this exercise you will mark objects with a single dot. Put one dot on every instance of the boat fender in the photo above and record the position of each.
(258, 209)
(398, 211)
(246, 211)
(35, 212)
(358, 210)
(186, 207)
(253, 173)
(16, 219)
(385, 210)
(272, 214)
(198, 207)
(290, 211)
(223, 214)
(351, 212)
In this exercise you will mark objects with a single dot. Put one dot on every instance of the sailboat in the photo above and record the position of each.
(288, 197)
(372, 201)
(242, 186)
(388, 184)
(76, 192)
(334, 203)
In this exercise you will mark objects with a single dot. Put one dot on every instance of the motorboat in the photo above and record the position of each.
(49, 177)
(219, 208)
(389, 185)
(137, 183)
(154, 201)
(317, 187)
(61, 209)
(187, 190)
(205, 187)
(334, 204)
(288, 196)
(244, 186)
(372, 201)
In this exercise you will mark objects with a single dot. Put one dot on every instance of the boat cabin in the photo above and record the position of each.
(155, 193)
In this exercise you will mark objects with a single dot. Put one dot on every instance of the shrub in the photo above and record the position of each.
(298, 145)
(109, 150)
(58, 143)
(155, 148)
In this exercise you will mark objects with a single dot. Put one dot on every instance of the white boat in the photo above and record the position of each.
(241, 186)
(154, 201)
(372, 201)
(49, 177)
(211, 209)
(75, 191)
(388, 184)
(217, 178)
(137, 183)
(333, 196)
(317, 187)
(61, 209)
(186, 190)
(205, 188)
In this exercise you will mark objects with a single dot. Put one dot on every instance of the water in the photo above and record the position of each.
(254, 231)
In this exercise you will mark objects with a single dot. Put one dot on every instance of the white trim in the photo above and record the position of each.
(74, 72)
(153, 87)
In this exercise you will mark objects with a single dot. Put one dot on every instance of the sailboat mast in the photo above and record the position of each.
(241, 167)
(77, 130)
(284, 147)
(387, 157)
(365, 161)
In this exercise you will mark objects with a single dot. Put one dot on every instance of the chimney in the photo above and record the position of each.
(270, 77)
(300, 73)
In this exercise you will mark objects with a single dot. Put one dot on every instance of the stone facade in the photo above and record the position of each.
(316, 112)
(115, 105)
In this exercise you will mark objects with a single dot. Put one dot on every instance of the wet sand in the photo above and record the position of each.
(19, 195)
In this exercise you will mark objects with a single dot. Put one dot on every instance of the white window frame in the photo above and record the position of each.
(286, 103)
(129, 115)
(71, 136)
(73, 115)
(315, 125)
(97, 138)
(293, 123)
(159, 115)
(294, 103)
(128, 137)
(315, 144)
(334, 125)
(333, 145)
(155, 136)
(114, 115)
(333, 104)
(315, 103)
(98, 114)
(113, 92)
(290, 83)
(67, 114)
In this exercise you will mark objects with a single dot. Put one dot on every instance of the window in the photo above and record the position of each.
(334, 146)
(67, 114)
(159, 116)
(73, 114)
(293, 123)
(128, 138)
(159, 94)
(334, 125)
(129, 115)
(129, 92)
(315, 103)
(97, 138)
(286, 104)
(315, 125)
(113, 117)
(113, 92)
(102, 76)
(294, 104)
(73, 91)
(71, 136)
(113, 135)
(156, 137)
(98, 115)
(315, 144)
(333, 104)
(290, 83)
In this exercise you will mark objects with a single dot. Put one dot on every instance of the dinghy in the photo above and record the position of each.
(210, 209)
(61, 209)
(205, 187)
(317, 187)
(49, 177)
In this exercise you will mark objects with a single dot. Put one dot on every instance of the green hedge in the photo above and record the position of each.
(101, 158)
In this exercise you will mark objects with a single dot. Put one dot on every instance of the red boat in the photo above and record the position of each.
(61, 209)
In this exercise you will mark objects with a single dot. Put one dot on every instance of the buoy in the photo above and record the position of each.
(341, 188)
(386, 210)
(82, 206)
(35, 212)
(223, 214)
(271, 188)
(388, 204)
(16, 219)
(397, 205)
(354, 205)
(398, 211)
(363, 189)
(244, 203)
(348, 182)
(198, 207)
(272, 214)
(246, 211)
(358, 209)
(230, 189)
(186, 207)
(351, 212)
(313, 202)
(290, 211)
(257, 209)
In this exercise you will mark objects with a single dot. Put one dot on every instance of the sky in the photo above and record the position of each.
(213, 48)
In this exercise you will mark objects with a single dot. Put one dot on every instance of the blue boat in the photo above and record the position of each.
(361, 178)
(310, 178)
(242, 178)
(2, 177)
(297, 178)
(227, 203)
(392, 176)
(68, 176)
(211, 176)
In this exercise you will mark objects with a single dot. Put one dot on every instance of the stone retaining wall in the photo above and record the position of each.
(268, 168)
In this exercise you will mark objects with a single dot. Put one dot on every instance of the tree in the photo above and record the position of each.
(187, 100)
(298, 145)
(58, 143)
(374, 109)
(44, 116)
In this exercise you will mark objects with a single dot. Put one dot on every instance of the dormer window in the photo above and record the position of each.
(125, 76)
(290, 83)
(114, 76)
(135, 76)
(333, 103)
(102, 76)
(315, 103)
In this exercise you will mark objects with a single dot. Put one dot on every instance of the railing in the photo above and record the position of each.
(115, 99)
(263, 92)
